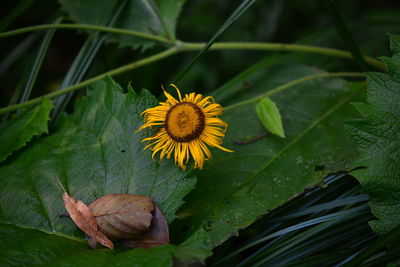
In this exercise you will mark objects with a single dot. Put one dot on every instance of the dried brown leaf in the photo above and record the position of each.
(123, 216)
(84, 219)
(156, 236)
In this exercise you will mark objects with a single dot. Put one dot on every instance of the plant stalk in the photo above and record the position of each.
(296, 82)
(113, 72)
(188, 46)
(283, 47)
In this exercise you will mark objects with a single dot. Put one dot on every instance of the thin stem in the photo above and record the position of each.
(113, 72)
(86, 27)
(181, 46)
(187, 46)
(293, 83)
(283, 47)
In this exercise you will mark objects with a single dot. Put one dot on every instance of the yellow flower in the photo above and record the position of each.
(188, 125)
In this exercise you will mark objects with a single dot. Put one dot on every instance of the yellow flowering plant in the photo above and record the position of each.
(187, 126)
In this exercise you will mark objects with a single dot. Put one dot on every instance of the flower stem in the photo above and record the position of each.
(188, 46)
(283, 47)
(86, 27)
(177, 47)
(293, 83)
(113, 72)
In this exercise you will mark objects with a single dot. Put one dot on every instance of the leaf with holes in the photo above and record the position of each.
(155, 17)
(236, 188)
(95, 152)
(377, 136)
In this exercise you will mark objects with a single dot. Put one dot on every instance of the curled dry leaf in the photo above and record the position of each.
(134, 219)
(123, 216)
(157, 235)
(84, 219)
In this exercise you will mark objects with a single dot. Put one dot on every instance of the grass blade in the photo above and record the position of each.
(288, 245)
(358, 259)
(321, 221)
(344, 32)
(82, 63)
(37, 64)
(333, 217)
(325, 206)
(232, 18)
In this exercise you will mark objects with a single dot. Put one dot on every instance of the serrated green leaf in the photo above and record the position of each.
(236, 188)
(394, 43)
(156, 17)
(18, 131)
(269, 115)
(378, 140)
(94, 152)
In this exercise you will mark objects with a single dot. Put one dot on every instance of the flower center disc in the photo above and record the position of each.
(184, 122)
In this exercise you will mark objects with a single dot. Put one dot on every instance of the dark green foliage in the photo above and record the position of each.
(260, 176)
(157, 17)
(378, 139)
(306, 220)
(321, 227)
(21, 128)
(93, 152)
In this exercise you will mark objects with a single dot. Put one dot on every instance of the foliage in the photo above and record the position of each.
(262, 175)
(153, 17)
(95, 152)
(322, 226)
(20, 129)
(93, 148)
(377, 136)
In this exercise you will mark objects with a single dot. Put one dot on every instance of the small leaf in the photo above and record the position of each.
(269, 115)
(123, 216)
(84, 219)
(22, 127)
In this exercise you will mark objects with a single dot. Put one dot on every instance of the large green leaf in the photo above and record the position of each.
(378, 140)
(156, 17)
(236, 188)
(23, 127)
(94, 152)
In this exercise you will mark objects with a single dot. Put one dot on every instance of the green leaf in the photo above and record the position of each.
(156, 17)
(94, 152)
(269, 115)
(23, 247)
(194, 248)
(18, 131)
(377, 136)
(236, 188)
